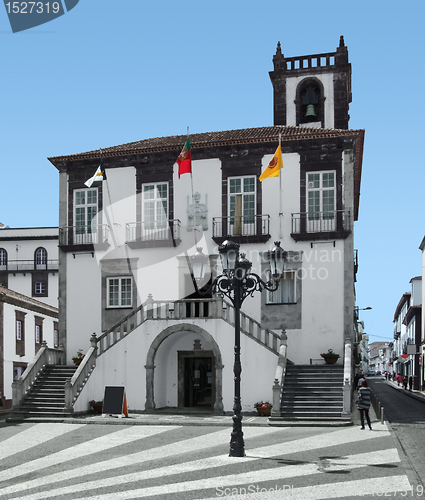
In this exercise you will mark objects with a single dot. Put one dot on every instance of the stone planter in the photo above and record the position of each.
(264, 411)
(331, 359)
(98, 408)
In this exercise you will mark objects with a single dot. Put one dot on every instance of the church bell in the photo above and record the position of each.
(310, 111)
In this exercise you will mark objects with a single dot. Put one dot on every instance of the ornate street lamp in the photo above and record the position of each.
(237, 282)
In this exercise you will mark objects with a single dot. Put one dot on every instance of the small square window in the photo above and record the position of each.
(40, 288)
(120, 292)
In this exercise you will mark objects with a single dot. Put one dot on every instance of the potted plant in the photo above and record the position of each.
(78, 358)
(264, 408)
(96, 405)
(330, 357)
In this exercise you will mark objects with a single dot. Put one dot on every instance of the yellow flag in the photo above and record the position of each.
(273, 168)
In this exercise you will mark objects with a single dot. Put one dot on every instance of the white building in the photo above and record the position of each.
(380, 357)
(363, 348)
(25, 323)
(407, 333)
(29, 262)
(422, 337)
(125, 244)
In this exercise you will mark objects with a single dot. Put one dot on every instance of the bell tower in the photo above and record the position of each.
(312, 91)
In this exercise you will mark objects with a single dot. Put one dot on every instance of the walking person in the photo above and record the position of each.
(399, 379)
(363, 404)
(405, 382)
(410, 383)
(360, 380)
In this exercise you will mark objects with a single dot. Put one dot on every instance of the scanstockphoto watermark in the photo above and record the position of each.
(250, 489)
(24, 15)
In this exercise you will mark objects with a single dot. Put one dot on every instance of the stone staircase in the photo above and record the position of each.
(313, 392)
(46, 398)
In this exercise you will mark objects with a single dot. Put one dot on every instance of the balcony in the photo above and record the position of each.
(244, 229)
(153, 234)
(77, 238)
(14, 266)
(307, 226)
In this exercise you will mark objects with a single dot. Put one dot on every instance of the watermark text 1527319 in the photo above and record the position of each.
(30, 7)
(25, 15)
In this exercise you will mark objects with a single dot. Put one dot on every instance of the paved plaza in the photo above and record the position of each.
(105, 458)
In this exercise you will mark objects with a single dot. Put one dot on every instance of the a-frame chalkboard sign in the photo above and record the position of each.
(115, 402)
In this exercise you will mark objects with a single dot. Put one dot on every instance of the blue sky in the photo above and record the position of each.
(110, 72)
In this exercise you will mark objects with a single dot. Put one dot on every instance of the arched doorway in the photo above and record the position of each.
(187, 394)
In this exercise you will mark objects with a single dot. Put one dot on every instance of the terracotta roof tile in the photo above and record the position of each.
(212, 139)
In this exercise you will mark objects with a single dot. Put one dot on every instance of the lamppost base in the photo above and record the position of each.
(237, 445)
(237, 452)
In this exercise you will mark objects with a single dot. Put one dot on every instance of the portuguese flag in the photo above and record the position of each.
(185, 159)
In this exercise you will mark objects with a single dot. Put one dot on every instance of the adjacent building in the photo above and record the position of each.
(29, 268)
(29, 262)
(407, 334)
(380, 357)
(25, 324)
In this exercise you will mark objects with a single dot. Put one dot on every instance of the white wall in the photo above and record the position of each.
(416, 292)
(291, 87)
(124, 365)
(10, 355)
(83, 292)
(322, 304)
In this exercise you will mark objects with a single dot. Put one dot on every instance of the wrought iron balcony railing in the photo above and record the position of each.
(30, 265)
(252, 225)
(321, 222)
(142, 233)
(83, 235)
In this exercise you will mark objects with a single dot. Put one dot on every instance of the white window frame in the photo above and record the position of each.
(320, 218)
(87, 213)
(118, 303)
(41, 258)
(3, 258)
(154, 214)
(246, 226)
(40, 288)
(18, 329)
(277, 296)
(37, 334)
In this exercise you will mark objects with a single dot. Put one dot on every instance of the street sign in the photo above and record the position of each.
(411, 349)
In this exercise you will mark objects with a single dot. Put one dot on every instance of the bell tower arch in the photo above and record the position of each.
(312, 90)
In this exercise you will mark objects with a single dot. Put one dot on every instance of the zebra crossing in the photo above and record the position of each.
(164, 462)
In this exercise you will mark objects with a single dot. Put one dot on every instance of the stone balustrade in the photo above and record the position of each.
(45, 356)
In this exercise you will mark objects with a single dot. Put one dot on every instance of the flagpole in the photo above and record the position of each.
(280, 195)
(193, 199)
(110, 203)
